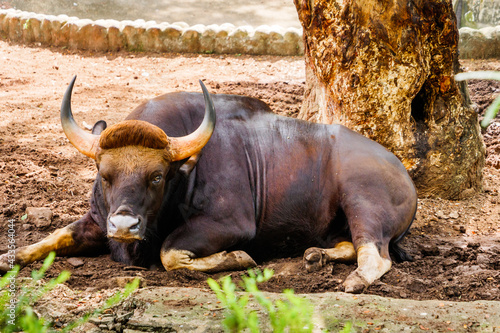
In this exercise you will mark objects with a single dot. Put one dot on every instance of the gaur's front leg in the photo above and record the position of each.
(199, 245)
(218, 262)
(82, 236)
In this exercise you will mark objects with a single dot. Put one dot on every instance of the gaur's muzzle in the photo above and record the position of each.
(124, 228)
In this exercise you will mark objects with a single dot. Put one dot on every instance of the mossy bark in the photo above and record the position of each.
(385, 69)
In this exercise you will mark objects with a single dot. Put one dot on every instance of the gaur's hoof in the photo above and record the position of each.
(314, 259)
(242, 258)
(355, 284)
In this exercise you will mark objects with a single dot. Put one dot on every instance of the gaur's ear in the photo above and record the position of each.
(189, 165)
(99, 127)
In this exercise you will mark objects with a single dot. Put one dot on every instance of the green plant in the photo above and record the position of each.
(16, 312)
(110, 302)
(293, 313)
(492, 110)
(16, 304)
(347, 327)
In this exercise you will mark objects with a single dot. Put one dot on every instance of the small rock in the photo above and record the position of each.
(39, 216)
(121, 281)
(467, 193)
(488, 190)
(417, 285)
(123, 318)
(454, 215)
(473, 245)
(103, 321)
(75, 262)
(484, 260)
(460, 228)
(429, 250)
(452, 291)
(441, 215)
(449, 262)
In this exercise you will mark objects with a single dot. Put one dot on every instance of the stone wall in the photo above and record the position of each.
(112, 35)
(479, 43)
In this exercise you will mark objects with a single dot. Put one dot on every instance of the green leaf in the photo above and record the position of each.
(347, 328)
(492, 110)
(469, 16)
(110, 302)
(294, 314)
(30, 290)
(478, 75)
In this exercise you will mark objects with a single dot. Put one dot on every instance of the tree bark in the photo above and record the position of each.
(384, 68)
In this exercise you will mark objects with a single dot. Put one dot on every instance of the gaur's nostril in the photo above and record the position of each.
(135, 227)
(111, 226)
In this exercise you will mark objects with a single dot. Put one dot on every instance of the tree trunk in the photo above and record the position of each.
(384, 68)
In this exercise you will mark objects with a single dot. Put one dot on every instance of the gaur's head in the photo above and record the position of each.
(133, 159)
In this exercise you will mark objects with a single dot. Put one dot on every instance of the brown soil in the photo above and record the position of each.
(456, 244)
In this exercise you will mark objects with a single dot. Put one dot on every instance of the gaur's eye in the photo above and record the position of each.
(156, 179)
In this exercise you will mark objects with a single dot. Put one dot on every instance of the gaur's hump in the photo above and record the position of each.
(133, 133)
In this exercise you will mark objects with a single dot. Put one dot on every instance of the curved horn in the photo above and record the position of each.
(186, 146)
(84, 141)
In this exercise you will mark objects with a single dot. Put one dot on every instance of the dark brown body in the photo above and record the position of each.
(264, 184)
(276, 184)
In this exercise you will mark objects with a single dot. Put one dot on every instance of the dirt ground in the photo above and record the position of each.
(456, 244)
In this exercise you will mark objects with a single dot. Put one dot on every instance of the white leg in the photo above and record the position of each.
(315, 258)
(371, 266)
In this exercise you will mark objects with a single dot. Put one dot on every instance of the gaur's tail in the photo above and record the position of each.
(394, 248)
(398, 253)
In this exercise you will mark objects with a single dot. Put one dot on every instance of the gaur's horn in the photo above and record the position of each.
(84, 141)
(186, 146)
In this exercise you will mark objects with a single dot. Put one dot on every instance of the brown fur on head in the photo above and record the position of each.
(130, 160)
(133, 133)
